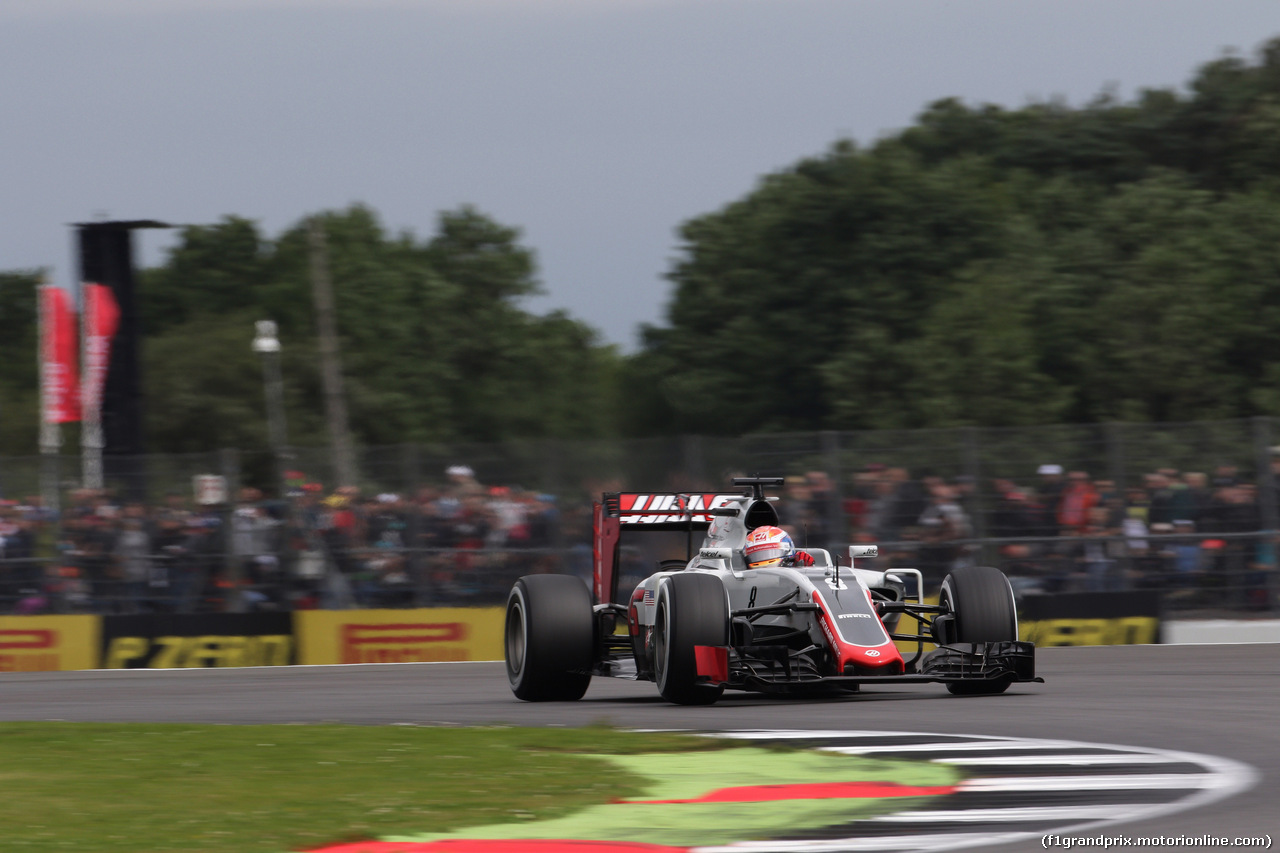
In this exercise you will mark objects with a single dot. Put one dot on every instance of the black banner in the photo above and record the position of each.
(173, 640)
(1091, 605)
(1091, 618)
(105, 252)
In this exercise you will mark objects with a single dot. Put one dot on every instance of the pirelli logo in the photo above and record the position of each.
(28, 650)
(401, 642)
(39, 638)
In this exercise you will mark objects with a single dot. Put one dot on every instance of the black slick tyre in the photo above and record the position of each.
(981, 603)
(692, 610)
(549, 640)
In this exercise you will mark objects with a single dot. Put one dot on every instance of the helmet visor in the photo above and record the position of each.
(767, 555)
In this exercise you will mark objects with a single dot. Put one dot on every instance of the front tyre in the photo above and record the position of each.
(980, 601)
(692, 610)
(549, 639)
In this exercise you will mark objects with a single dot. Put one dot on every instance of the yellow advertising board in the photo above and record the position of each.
(48, 643)
(1091, 618)
(909, 624)
(396, 636)
(1117, 631)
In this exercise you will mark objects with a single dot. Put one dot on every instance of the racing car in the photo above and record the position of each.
(708, 622)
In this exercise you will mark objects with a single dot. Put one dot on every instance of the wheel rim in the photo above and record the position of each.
(944, 600)
(516, 639)
(660, 644)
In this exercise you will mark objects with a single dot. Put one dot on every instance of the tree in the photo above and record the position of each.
(991, 266)
(834, 254)
(435, 345)
(212, 271)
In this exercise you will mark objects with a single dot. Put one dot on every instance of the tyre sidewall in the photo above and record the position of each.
(983, 610)
(982, 605)
(693, 610)
(515, 640)
(549, 638)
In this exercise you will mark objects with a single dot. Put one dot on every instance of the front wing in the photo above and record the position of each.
(958, 662)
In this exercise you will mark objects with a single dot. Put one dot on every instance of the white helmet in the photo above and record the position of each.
(768, 546)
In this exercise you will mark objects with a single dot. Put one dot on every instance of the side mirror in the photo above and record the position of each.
(856, 551)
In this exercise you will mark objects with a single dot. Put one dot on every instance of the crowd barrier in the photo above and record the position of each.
(1091, 618)
(164, 641)
(320, 637)
(398, 636)
(42, 643)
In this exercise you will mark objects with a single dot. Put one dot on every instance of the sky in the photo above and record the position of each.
(596, 127)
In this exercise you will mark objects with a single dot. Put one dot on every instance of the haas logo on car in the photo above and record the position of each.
(684, 507)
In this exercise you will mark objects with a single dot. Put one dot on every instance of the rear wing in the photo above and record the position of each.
(668, 510)
(649, 511)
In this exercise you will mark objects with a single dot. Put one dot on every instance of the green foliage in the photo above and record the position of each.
(434, 343)
(1119, 261)
(214, 270)
(18, 329)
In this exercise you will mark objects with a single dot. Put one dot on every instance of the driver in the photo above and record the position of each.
(772, 546)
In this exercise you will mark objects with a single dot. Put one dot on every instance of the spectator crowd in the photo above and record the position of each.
(1198, 536)
(456, 544)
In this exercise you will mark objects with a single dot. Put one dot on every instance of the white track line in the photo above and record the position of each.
(1014, 814)
(1162, 782)
(947, 746)
(1099, 760)
(1223, 778)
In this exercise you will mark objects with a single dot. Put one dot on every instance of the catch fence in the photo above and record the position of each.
(1187, 508)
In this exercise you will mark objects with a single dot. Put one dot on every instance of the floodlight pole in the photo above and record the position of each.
(330, 363)
(267, 344)
(50, 430)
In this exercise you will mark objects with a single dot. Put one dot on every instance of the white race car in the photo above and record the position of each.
(708, 622)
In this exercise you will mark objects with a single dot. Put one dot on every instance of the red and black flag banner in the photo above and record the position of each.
(59, 379)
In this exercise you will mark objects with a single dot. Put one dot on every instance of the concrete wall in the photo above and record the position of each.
(1223, 631)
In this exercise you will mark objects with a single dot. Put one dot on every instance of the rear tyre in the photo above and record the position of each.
(549, 639)
(980, 601)
(692, 610)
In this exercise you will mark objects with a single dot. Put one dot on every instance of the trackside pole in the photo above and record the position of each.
(50, 428)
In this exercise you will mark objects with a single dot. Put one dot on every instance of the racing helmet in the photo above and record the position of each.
(768, 546)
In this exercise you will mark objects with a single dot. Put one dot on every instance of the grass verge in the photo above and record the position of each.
(146, 788)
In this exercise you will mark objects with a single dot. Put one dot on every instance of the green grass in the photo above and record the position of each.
(144, 788)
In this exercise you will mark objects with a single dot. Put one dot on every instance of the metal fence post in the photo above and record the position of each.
(1114, 433)
(693, 460)
(837, 535)
(554, 484)
(1267, 508)
(1113, 436)
(977, 502)
(1266, 479)
(411, 462)
(973, 470)
(229, 462)
(552, 474)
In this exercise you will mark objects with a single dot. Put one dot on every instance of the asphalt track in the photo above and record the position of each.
(1220, 700)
